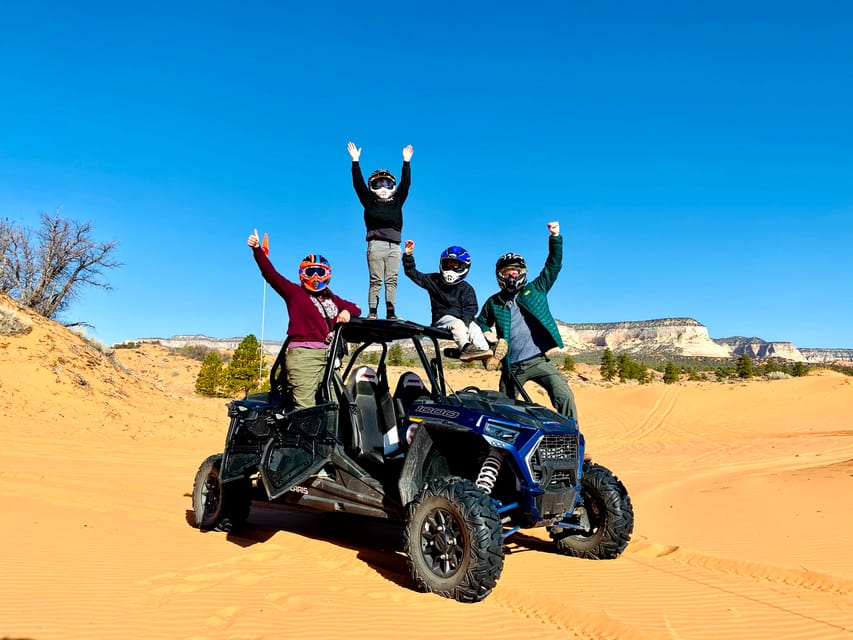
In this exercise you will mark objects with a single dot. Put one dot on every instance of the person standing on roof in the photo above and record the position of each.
(382, 199)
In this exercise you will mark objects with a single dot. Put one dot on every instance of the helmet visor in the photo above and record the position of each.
(381, 183)
(319, 271)
(512, 272)
(452, 264)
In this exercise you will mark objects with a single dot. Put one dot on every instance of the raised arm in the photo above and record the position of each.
(554, 262)
(405, 174)
(409, 268)
(278, 282)
(358, 182)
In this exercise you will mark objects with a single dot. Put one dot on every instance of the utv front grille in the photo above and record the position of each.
(555, 459)
(558, 447)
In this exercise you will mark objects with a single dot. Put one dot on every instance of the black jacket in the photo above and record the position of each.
(383, 218)
(457, 300)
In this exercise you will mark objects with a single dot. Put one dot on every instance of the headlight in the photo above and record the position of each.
(499, 432)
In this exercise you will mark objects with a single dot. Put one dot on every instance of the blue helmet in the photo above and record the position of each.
(454, 264)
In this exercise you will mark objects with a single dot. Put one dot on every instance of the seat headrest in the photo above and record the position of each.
(362, 375)
(365, 374)
(409, 380)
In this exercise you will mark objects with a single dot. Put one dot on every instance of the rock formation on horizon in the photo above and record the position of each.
(662, 338)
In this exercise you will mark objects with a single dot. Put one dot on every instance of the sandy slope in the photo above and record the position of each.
(741, 493)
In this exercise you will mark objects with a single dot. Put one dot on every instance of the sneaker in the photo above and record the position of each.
(470, 352)
(371, 316)
(501, 349)
(393, 317)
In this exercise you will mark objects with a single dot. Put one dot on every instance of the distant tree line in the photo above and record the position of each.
(743, 367)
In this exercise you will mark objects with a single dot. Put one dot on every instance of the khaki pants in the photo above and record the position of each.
(304, 369)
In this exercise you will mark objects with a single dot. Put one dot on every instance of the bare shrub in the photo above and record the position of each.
(13, 323)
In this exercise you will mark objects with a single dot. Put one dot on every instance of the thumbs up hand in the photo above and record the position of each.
(253, 240)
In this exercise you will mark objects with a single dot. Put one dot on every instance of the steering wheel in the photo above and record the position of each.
(470, 389)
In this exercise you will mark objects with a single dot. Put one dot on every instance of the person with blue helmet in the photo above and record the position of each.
(453, 301)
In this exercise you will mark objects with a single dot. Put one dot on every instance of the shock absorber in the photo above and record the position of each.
(489, 471)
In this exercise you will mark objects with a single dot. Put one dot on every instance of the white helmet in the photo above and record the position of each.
(382, 183)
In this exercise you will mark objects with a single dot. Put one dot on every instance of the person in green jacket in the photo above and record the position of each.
(520, 315)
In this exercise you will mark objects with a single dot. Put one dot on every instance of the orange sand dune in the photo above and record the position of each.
(741, 494)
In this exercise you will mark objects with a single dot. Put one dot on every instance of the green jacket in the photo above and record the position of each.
(532, 298)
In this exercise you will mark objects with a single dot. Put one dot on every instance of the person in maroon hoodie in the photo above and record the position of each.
(313, 311)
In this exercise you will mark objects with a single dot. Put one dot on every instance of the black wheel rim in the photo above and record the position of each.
(442, 543)
(211, 494)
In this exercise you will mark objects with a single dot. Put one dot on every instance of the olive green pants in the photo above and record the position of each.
(304, 369)
(542, 372)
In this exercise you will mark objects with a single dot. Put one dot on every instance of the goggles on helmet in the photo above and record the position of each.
(316, 270)
(314, 276)
(451, 264)
(382, 183)
(512, 272)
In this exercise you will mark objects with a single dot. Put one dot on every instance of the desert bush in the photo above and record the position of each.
(13, 323)
(800, 369)
(193, 351)
(777, 375)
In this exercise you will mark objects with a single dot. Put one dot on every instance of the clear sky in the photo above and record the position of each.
(698, 155)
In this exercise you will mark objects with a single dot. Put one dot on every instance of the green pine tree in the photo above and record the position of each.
(608, 365)
(244, 370)
(395, 355)
(623, 366)
(744, 366)
(569, 363)
(670, 373)
(210, 376)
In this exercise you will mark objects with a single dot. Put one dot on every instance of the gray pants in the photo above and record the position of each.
(383, 263)
(462, 335)
(545, 374)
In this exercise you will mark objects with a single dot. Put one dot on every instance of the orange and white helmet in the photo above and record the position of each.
(315, 272)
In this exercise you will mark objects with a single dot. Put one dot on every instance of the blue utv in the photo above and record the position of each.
(461, 470)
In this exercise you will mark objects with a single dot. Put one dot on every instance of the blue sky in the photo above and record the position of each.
(699, 156)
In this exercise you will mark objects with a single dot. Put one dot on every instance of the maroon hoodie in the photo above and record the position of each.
(307, 323)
